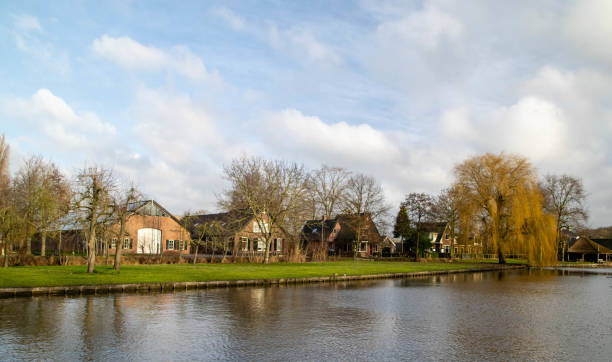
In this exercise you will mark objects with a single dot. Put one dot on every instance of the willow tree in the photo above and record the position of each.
(509, 205)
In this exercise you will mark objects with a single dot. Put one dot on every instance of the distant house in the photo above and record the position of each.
(343, 233)
(390, 245)
(582, 248)
(244, 233)
(439, 233)
(320, 235)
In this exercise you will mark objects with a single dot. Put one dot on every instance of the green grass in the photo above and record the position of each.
(494, 261)
(39, 276)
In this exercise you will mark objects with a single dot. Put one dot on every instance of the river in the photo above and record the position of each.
(513, 315)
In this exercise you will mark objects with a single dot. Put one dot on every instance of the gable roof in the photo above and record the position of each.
(436, 227)
(312, 228)
(583, 245)
(229, 220)
(604, 242)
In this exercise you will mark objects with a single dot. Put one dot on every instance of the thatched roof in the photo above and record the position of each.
(583, 245)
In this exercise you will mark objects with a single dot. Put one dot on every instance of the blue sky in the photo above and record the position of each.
(166, 93)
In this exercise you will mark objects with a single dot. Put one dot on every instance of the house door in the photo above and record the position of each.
(149, 241)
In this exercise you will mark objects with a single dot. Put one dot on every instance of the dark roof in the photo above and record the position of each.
(229, 220)
(583, 245)
(604, 242)
(436, 227)
(312, 228)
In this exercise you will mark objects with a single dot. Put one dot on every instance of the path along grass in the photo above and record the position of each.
(46, 276)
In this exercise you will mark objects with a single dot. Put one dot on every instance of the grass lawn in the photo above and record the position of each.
(493, 261)
(39, 276)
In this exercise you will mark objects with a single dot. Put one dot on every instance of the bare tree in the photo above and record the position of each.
(564, 198)
(92, 198)
(29, 184)
(53, 202)
(124, 202)
(327, 188)
(364, 198)
(448, 205)
(270, 192)
(421, 209)
(6, 207)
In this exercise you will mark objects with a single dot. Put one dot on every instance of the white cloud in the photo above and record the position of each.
(174, 126)
(27, 22)
(58, 122)
(302, 44)
(426, 28)
(231, 18)
(311, 137)
(29, 38)
(589, 27)
(132, 55)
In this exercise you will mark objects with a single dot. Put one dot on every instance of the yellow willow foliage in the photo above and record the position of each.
(535, 229)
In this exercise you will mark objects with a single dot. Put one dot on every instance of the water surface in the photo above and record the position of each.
(525, 315)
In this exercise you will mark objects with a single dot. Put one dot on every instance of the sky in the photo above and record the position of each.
(167, 93)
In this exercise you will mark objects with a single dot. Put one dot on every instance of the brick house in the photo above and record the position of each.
(245, 234)
(319, 235)
(340, 234)
(152, 230)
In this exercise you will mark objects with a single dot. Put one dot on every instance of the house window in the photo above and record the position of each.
(446, 236)
(180, 244)
(363, 246)
(127, 243)
(244, 243)
(257, 229)
(278, 244)
(114, 243)
(170, 244)
(261, 245)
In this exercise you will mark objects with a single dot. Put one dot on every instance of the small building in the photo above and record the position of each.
(244, 233)
(437, 233)
(389, 245)
(582, 248)
(344, 233)
(319, 236)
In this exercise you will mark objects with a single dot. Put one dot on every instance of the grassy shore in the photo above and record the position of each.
(44, 276)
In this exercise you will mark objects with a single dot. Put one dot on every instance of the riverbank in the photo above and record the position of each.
(58, 280)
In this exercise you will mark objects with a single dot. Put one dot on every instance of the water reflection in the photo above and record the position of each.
(525, 315)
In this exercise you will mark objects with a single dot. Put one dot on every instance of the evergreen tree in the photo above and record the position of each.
(402, 227)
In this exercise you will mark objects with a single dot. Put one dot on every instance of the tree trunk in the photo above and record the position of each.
(43, 243)
(91, 257)
(119, 246)
(6, 252)
(212, 254)
(417, 244)
(267, 253)
(29, 245)
(195, 256)
(500, 255)
(59, 244)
